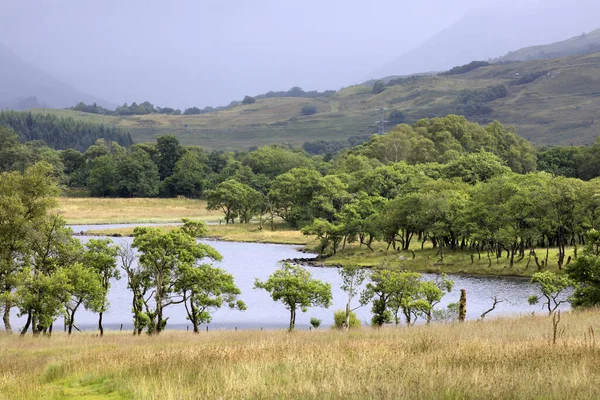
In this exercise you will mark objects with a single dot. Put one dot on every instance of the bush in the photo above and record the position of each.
(309, 110)
(396, 117)
(479, 96)
(249, 100)
(315, 322)
(463, 69)
(339, 317)
(378, 87)
(531, 77)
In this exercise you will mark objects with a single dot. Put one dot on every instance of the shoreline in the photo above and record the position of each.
(459, 266)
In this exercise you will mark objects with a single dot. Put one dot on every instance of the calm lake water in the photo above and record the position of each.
(247, 261)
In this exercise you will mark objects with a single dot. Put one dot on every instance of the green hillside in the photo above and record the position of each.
(547, 101)
(578, 45)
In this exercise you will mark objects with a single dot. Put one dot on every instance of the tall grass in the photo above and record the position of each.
(496, 359)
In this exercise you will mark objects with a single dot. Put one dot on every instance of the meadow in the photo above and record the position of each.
(493, 359)
(88, 210)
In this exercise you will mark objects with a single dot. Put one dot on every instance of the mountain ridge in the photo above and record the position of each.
(20, 80)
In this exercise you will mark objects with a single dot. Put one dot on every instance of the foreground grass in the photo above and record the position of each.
(120, 211)
(250, 233)
(496, 359)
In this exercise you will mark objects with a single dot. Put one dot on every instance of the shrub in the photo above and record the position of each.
(485, 95)
(378, 87)
(339, 317)
(309, 110)
(249, 100)
(463, 69)
(315, 322)
(531, 77)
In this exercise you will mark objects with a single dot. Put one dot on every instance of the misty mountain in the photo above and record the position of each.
(23, 85)
(490, 33)
(582, 44)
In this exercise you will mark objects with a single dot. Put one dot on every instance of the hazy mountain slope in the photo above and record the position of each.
(489, 33)
(582, 44)
(548, 101)
(19, 81)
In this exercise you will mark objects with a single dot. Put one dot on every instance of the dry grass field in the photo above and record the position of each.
(495, 359)
(119, 211)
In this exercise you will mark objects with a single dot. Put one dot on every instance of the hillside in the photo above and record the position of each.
(21, 82)
(495, 28)
(548, 101)
(582, 44)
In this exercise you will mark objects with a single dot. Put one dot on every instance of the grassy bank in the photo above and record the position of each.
(496, 359)
(454, 262)
(233, 233)
(120, 211)
(422, 260)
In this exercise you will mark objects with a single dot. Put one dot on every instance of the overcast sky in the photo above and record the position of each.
(184, 52)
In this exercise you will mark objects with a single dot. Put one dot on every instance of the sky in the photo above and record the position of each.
(184, 53)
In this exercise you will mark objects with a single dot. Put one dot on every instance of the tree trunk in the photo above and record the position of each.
(462, 306)
(72, 318)
(347, 317)
(292, 319)
(27, 323)
(100, 327)
(6, 317)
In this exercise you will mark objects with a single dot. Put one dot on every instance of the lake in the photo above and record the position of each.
(247, 261)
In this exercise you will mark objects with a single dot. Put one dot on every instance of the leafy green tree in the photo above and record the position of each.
(84, 289)
(432, 292)
(102, 180)
(101, 257)
(44, 285)
(138, 281)
(552, 287)
(561, 160)
(206, 288)
(406, 289)
(586, 272)
(352, 280)
(296, 289)
(164, 259)
(292, 193)
(475, 167)
(234, 199)
(25, 202)
(188, 178)
(359, 218)
(170, 151)
(137, 175)
(273, 161)
(329, 235)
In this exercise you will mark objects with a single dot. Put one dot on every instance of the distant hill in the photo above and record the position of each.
(495, 30)
(23, 84)
(547, 101)
(582, 44)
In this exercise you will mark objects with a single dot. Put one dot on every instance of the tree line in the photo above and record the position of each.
(60, 133)
(148, 108)
(47, 273)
